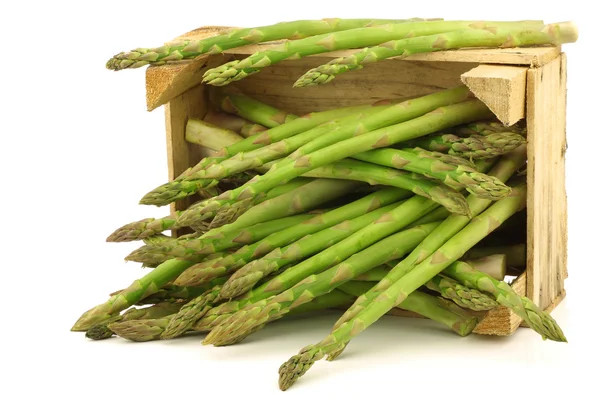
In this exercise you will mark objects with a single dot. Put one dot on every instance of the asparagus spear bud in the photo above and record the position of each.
(537, 319)
(189, 49)
(471, 147)
(486, 128)
(99, 332)
(395, 294)
(481, 185)
(354, 38)
(141, 330)
(486, 35)
(250, 109)
(463, 296)
(190, 314)
(441, 118)
(142, 229)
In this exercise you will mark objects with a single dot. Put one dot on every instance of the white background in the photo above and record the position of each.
(78, 150)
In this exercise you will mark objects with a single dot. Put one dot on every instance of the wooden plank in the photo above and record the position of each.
(502, 321)
(546, 202)
(181, 154)
(501, 88)
(384, 80)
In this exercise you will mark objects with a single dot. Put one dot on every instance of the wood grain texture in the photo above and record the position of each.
(546, 200)
(180, 154)
(384, 80)
(501, 87)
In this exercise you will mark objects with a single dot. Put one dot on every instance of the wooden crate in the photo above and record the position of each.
(515, 83)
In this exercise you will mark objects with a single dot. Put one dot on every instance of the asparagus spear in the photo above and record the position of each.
(503, 170)
(233, 38)
(494, 265)
(471, 147)
(209, 136)
(163, 251)
(491, 35)
(452, 250)
(441, 118)
(459, 177)
(537, 319)
(353, 38)
(279, 257)
(376, 175)
(267, 310)
(250, 109)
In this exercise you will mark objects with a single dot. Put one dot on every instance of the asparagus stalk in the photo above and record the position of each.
(376, 175)
(353, 38)
(490, 35)
(279, 257)
(209, 136)
(250, 109)
(503, 170)
(441, 118)
(233, 38)
(537, 319)
(471, 147)
(262, 312)
(479, 184)
(451, 251)
(163, 251)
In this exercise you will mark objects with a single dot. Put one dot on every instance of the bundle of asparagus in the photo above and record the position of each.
(391, 205)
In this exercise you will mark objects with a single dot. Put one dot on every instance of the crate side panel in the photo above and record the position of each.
(378, 81)
(546, 202)
(181, 154)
